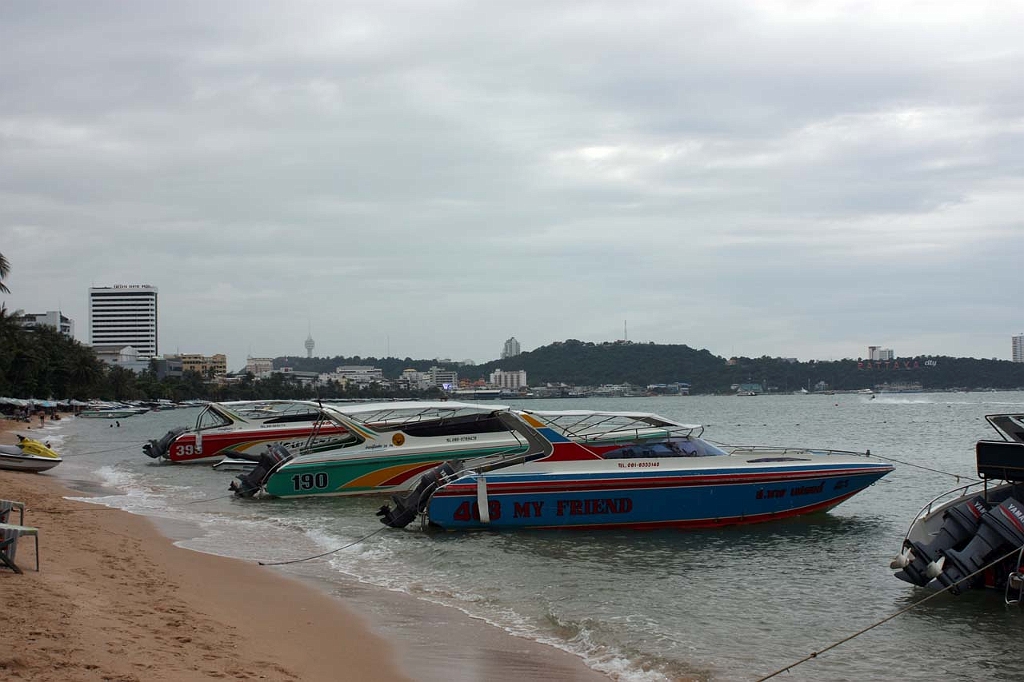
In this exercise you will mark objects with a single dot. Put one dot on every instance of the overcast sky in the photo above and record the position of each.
(427, 179)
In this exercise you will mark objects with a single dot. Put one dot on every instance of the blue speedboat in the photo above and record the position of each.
(589, 469)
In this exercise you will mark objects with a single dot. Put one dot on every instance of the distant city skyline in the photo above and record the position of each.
(510, 347)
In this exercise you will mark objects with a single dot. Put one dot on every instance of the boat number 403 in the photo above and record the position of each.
(309, 481)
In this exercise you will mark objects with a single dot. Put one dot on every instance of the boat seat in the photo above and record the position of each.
(7, 506)
(9, 535)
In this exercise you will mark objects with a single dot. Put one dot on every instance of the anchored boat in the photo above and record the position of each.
(973, 536)
(28, 455)
(589, 469)
(391, 445)
(245, 428)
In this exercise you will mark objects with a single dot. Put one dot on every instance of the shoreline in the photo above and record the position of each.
(118, 599)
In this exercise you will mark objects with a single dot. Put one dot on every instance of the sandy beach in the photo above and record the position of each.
(116, 600)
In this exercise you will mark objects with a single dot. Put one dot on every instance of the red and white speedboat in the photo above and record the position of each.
(244, 428)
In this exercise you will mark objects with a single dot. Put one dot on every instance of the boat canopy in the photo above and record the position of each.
(586, 425)
(406, 412)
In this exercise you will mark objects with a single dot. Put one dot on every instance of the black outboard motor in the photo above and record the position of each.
(159, 448)
(1000, 531)
(249, 483)
(959, 524)
(409, 504)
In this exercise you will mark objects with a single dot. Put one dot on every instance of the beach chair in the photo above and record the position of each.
(7, 506)
(5, 547)
(9, 535)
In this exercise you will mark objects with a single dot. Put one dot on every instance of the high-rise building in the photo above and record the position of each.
(310, 345)
(1018, 348)
(124, 315)
(511, 348)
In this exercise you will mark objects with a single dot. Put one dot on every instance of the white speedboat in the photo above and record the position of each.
(973, 536)
(28, 455)
(391, 445)
(244, 428)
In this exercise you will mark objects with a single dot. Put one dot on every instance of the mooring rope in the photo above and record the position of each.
(98, 452)
(210, 499)
(318, 556)
(920, 466)
(815, 654)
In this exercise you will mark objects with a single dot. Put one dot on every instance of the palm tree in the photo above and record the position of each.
(5, 268)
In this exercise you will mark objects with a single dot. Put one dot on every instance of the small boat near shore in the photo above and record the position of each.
(111, 412)
(622, 470)
(28, 455)
(973, 536)
(243, 429)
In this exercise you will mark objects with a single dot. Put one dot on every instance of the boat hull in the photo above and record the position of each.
(186, 448)
(306, 476)
(644, 501)
(27, 463)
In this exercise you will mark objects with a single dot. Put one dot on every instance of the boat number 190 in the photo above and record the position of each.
(309, 481)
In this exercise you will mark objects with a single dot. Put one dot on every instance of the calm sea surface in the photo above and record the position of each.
(732, 604)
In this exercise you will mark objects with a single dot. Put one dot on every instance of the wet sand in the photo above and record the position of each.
(116, 600)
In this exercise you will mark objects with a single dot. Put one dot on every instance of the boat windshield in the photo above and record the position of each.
(211, 419)
(675, 447)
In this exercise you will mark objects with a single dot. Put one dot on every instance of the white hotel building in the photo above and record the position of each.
(124, 315)
(509, 381)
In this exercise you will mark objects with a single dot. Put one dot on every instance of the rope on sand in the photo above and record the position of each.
(815, 654)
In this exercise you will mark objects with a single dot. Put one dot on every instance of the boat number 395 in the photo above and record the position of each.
(309, 481)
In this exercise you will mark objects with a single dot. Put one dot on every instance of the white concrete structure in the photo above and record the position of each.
(414, 380)
(443, 378)
(511, 381)
(259, 367)
(124, 315)
(360, 375)
(879, 354)
(122, 356)
(51, 318)
(1018, 348)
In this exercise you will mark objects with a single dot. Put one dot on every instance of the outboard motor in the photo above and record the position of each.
(249, 483)
(959, 525)
(409, 504)
(1001, 530)
(159, 448)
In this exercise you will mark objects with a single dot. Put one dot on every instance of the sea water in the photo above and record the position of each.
(730, 604)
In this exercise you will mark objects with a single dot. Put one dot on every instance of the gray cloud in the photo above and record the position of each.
(782, 178)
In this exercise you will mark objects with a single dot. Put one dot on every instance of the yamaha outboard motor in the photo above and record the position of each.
(408, 505)
(159, 448)
(959, 524)
(249, 483)
(1000, 531)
